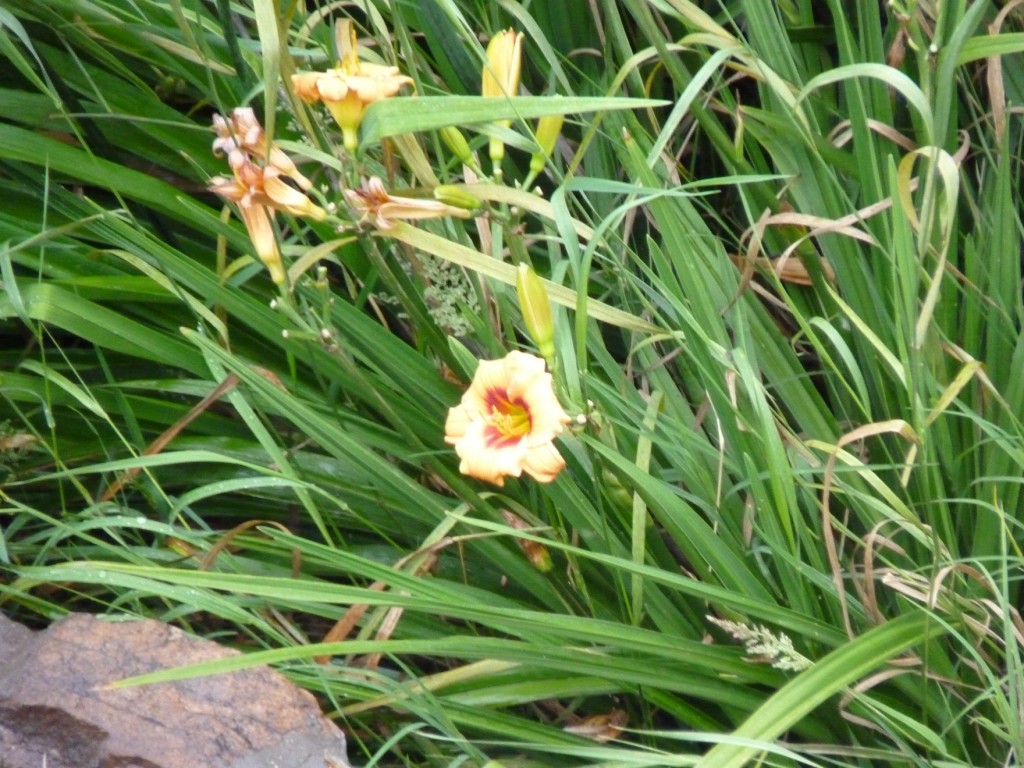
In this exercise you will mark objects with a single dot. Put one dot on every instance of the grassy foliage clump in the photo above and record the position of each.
(781, 243)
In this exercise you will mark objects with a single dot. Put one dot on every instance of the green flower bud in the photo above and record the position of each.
(536, 309)
(456, 142)
(548, 129)
(452, 194)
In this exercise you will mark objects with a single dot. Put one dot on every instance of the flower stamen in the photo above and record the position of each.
(509, 421)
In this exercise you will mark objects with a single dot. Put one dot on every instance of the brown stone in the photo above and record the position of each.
(55, 710)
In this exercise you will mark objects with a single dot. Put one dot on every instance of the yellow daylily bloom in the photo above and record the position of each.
(375, 206)
(507, 421)
(348, 89)
(501, 78)
(504, 64)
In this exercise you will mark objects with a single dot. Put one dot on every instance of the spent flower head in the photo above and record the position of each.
(258, 190)
(243, 136)
(376, 206)
(764, 645)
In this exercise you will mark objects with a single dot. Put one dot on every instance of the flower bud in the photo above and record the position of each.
(452, 194)
(504, 62)
(456, 142)
(548, 129)
(619, 494)
(536, 309)
(500, 77)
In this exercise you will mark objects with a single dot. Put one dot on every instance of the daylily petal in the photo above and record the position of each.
(246, 127)
(522, 371)
(224, 142)
(386, 82)
(491, 379)
(481, 460)
(543, 463)
(249, 174)
(261, 232)
(289, 199)
(279, 160)
(547, 417)
(229, 189)
(456, 424)
(306, 86)
(331, 86)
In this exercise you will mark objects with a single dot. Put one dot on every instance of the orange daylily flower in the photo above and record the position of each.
(259, 190)
(375, 206)
(349, 89)
(507, 422)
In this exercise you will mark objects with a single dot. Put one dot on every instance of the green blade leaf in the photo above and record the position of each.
(391, 117)
(827, 677)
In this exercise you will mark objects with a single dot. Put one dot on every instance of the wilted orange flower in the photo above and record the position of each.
(602, 728)
(257, 220)
(257, 190)
(244, 135)
(507, 422)
(349, 89)
(375, 206)
(535, 552)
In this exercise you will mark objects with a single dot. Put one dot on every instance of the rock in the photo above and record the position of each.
(55, 711)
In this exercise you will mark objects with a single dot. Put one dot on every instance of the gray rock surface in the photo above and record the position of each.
(55, 710)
